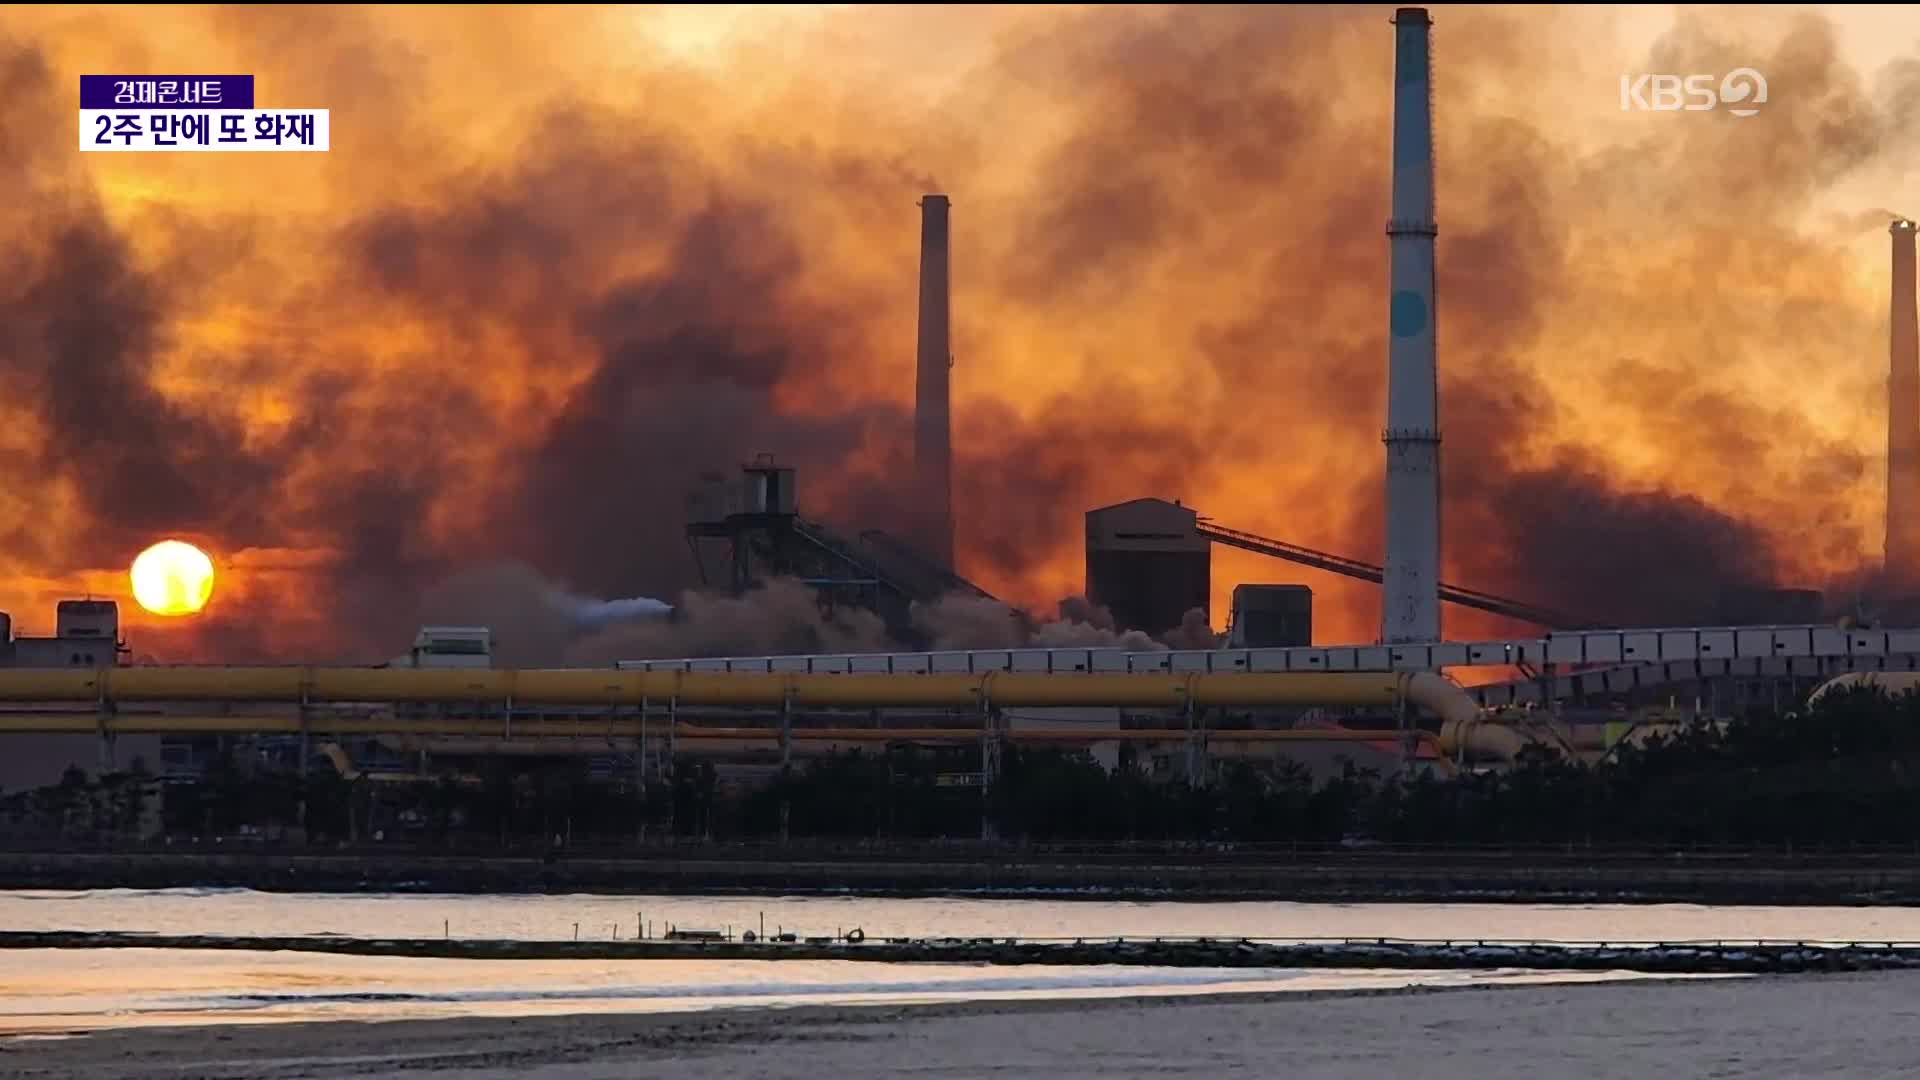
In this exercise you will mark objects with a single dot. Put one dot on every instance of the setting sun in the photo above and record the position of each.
(172, 578)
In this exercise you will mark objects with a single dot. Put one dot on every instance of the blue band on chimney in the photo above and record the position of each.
(1407, 314)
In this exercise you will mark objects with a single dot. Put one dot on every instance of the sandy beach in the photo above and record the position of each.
(1839, 1026)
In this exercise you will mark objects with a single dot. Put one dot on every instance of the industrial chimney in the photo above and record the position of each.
(1410, 606)
(1903, 423)
(932, 423)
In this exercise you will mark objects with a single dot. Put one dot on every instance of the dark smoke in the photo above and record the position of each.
(84, 323)
(1169, 271)
(971, 622)
(681, 364)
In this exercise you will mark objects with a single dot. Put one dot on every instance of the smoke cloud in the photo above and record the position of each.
(461, 341)
(539, 624)
(783, 617)
(535, 623)
(972, 622)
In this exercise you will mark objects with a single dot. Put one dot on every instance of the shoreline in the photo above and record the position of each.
(1530, 877)
(1793, 1024)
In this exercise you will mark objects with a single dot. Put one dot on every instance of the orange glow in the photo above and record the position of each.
(556, 264)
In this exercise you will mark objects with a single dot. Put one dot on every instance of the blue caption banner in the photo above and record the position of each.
(166, 91)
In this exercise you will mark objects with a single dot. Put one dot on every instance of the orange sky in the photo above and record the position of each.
(558, 262)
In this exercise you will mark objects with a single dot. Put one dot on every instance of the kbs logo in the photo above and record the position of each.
(1743, 88)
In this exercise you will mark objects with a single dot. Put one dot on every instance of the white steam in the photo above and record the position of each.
(596, 613)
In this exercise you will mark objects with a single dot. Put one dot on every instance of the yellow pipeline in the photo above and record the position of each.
(624, 727)
(486, 737)
(590, 734)
(593, 686)
(1480, 737)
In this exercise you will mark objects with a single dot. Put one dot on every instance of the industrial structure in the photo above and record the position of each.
(614, 689)
(1903, 424)
(745, 532)
(932, 418)
(1148, 564)
(1270, 616)
(1587, 666)
(86, 634)
(601, 709)
(1410, 601)
(448, 647)
(736, 704)
(1148, 561)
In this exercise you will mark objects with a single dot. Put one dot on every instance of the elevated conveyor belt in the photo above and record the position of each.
(1364, 571)
(888, 559)
(931, 580)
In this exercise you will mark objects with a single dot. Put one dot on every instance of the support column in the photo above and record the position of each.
(990, 744)
(1196, 744)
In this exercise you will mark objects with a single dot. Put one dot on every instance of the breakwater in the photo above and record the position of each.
(1691, 957)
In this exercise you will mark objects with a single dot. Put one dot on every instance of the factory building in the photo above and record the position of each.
(1148, 564)
(86, 634)
(1271, 617)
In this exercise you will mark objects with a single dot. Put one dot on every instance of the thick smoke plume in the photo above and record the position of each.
(972, 622)
(538, 624)
(675, 240)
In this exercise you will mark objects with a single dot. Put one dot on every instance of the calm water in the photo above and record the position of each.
(67, 990)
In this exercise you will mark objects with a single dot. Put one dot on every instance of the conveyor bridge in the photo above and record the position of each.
(1365, 571)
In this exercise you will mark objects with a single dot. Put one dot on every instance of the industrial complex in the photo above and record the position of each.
(1265, 690)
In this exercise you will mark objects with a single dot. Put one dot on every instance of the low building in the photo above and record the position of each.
(449, 647)
(86, 634)
(1271, 617)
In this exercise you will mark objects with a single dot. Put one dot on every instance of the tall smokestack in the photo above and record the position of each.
(932, 424)
(1410, 606)
(1903, 421)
